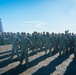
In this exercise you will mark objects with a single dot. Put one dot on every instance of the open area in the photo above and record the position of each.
(37, 37)
(40, 64)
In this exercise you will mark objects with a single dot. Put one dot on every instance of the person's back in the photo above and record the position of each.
(15, 45)
(15, 41)
(25, 42)
(62, 44)
(62, 40)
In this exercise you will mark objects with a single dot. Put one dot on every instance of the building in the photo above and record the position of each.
(1, 27)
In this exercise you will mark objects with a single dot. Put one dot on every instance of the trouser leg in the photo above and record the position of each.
(12, 54)
(60, 52)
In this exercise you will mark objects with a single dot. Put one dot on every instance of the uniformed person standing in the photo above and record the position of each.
(34, 40)
(48, 43)
(53, 42)
(43, 40)
(62, 44)
(15, 45)
(24, 50)
(74, 46)
(68, 42)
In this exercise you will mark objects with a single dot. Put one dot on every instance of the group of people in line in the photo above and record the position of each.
(64, 43)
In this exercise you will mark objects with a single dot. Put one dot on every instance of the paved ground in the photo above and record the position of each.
(40, 64)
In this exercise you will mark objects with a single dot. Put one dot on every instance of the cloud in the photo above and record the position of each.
(40, 24)
(37, 24)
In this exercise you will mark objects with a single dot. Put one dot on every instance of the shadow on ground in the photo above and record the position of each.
(21, 68)
(51, 67)
(45, 70)
(71, 69)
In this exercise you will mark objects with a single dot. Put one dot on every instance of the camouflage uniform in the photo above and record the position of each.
(43, 39)
(34, 40)
(39, 40)
(15, 45)
(0, 39)
(72, 43)
(48, 43)
(62, 45)
(58, 38)
(53, 42)
(68, 42)
(29, 36)
(24, 51)
(3, 37)
(74, 46)
(20, 37)
(56, 43)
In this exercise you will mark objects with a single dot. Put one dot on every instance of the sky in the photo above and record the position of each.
(38, 15)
